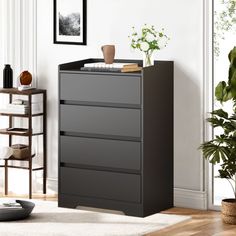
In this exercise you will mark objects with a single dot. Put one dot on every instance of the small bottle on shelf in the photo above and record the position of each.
(7, 77)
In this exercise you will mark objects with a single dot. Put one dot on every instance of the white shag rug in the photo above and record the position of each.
(49, 220)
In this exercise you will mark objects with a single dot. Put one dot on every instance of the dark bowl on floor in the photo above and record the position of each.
(17, 213)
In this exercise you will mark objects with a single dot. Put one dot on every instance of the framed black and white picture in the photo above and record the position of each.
(70, 21)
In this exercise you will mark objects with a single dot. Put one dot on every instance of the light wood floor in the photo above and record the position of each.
(203, 223)
(52, 197)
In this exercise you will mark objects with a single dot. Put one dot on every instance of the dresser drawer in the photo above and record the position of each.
(100, 184)
(100, 120)
(100, 88)
(100, 152)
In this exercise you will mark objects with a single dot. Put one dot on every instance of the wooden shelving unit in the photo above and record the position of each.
(26, 133)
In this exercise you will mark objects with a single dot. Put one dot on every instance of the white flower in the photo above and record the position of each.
(162, 42)
(144, 46)
(150, 37)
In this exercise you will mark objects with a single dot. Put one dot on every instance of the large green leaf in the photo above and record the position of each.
(220, 113)
(232, 54)
(215, 122)
(232, 71)
(224, 174)
(214, 152)
(219, 91)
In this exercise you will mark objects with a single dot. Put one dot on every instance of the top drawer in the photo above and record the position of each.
(103, 88)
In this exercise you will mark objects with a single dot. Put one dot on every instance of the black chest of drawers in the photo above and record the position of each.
(116, 138)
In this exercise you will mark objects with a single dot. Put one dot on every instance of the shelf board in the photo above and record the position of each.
(21, 167)
(13, 114)
(12, 158)
(19, 133)
(41, 133)
(20, 115)
(34, 168)
(24, 92)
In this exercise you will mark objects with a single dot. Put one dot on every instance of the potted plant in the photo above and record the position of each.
(222, 148)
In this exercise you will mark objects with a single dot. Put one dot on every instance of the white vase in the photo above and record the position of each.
(148, 59)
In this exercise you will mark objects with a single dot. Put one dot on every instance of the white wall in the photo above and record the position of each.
(110, 22)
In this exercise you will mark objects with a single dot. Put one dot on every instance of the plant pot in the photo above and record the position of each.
(228, 211)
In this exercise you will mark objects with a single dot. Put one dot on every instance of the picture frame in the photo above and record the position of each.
(70, 22)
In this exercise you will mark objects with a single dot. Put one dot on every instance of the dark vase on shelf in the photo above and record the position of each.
(7, 77)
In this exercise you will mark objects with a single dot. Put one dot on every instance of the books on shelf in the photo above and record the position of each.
(21, 107)
(127, 69)
(17, 130)
(115, 67)
(18, 109)
(25, 87)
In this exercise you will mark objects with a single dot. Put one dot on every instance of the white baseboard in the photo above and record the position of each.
(190, 199)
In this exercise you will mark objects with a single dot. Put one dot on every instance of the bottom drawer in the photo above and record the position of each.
(100, 184)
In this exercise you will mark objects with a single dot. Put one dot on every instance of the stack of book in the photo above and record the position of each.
(115, 67)
(21, 107)
(17, 107)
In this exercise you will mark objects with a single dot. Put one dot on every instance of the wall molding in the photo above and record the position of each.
(190, 199)
(208, 93)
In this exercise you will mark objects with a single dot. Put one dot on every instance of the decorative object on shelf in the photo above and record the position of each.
(7, 76)
(25, 78)
(17, 210)
(108, 53)
(25, 87)
(221, 150)
(20, 151)
(70, 22)
(147, 41)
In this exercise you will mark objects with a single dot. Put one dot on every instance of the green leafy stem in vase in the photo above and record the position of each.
(148, 40)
